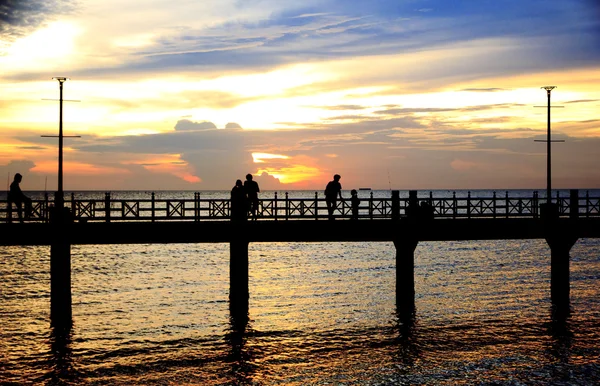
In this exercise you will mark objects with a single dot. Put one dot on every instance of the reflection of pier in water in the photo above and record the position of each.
(403, 221)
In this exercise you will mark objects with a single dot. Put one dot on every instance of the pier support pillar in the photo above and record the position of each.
(61, 315)
(405, 275)
(560, 236)
(560, 290)
(238, 278)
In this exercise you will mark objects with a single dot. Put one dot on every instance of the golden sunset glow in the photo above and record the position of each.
(190, 96)
(261, 157)
(75, 168)
(293, 174)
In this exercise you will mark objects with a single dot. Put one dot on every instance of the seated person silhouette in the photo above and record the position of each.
(16, 196)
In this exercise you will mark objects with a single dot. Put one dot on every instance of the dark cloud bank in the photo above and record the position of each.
(19, 17)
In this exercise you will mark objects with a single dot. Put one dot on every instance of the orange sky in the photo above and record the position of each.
(406, 97)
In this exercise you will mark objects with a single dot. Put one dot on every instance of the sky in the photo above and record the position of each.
(390, 94)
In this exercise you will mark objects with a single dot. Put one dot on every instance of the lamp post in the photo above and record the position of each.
(549, 150)
(59, 196)
(59, 193)
(548, 147)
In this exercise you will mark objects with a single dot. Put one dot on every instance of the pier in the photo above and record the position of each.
(403, 221)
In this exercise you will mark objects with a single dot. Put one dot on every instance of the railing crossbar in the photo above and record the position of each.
(197, 208)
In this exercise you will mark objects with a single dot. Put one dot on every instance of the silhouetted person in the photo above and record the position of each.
(16, 195)
(252, 190)
(355, 202)
(332, 191)
(239, 204)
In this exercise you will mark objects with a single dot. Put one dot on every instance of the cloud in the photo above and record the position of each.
(187, 125)
(267, 182)
(342, 107)
(18, 17)
(583, 101)
(438, 149)
(491, 89)
(260, 38)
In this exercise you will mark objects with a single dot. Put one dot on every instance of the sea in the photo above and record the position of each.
(319, 314)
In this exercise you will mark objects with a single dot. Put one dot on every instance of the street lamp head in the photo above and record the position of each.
(548, 89)
(61, 79)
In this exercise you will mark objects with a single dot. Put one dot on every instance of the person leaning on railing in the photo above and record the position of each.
(16, 196)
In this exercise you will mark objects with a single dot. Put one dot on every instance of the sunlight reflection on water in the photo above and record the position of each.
(319, 313)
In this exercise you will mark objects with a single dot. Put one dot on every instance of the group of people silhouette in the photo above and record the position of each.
(244, 199)
(333, 190)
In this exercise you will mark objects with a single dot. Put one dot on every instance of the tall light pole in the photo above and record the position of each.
(549, 148)
(61, 81)
(59, 198)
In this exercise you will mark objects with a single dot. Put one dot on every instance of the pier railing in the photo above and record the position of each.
(282, 207)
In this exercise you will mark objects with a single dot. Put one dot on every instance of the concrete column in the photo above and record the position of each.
(560, 287)
(238, 277)
(61, 315)
(405, 274)
(560, 236)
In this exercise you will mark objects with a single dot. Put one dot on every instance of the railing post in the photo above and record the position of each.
(534, 204)
(153, 206)
(494, 198)
(469, 204)
(431, 204)
(8, 210)
(46, 211)
(107, 206)
(396, 205)
(506, 200)
(275, 206)
(454, 209)
(197, 206)
(287, 206)
(316, 206)
(574, 204)
(371, 206)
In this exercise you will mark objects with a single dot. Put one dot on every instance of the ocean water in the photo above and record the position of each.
(319, 314)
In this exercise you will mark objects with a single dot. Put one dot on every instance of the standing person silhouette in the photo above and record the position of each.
(252, 190)
(332, 191)
(239, 205)
(16, 195)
